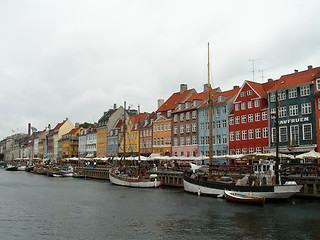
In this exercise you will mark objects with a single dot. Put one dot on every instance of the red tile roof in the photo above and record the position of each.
(295, 79)
(74, 130)
(173, 101)
(59, 125)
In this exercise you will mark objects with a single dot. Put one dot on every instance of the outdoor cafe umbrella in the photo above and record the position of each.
(311, 154)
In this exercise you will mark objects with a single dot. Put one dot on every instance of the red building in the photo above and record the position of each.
(146, 134)
(248, 121)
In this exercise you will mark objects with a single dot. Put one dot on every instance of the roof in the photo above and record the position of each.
(172, 102)
(75, 130)
(295, 79)
(228, 94)
(107, 115)
(59, 125)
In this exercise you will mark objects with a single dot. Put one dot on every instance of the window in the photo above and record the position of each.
(181, 117)
(243, 105)
(244, 151)
(242, 94)
(265, 132)
(251, 135)
(244, 134)
(237, 135)
(175, 130)
(273, 135)
(188, 141)
(307, 131)
(224, 109)
(258, 149)
(224, 139)
(305, 90)
(182, 129)
(236, 106)
(293, 93)
(231, 136)
(282, 112)
(258, 133)
(256, 103)
(219, 139)
(264, 115)
(282, 95)
(238, 151)
(250, 118)
(194, 114)
(224, 123)
(231, 120)
(293, 110)
(187, 115)
(306, 108)
(272, 97)
(181, 141)
(243, 119)
(251, 150)
(238, 120)
(249, 92)
(194, 127)
(218, 124)
(294, 135)
(250, 104)
(188, 128)
(318, 84)
(175, 118)
(283, 136)
(194, 140)
(257, 117)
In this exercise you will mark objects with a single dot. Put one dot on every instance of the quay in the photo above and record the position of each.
(168, 177)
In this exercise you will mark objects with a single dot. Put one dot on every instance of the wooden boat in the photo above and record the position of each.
(125, 179)
(242, 198)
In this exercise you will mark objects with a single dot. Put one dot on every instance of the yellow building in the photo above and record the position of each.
(162, 136)
(132, 130)
(70, 143)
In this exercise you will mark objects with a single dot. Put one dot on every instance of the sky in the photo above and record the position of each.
(75, 59)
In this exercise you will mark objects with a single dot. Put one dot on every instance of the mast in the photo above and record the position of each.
(276, 124)
(124, 130)
(210, 116)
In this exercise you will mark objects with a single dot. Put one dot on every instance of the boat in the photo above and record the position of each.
(127, 178)
(57, 175)
(242, 198)
(200, 182)
(22, 168)
(68, 172)
(11, 168)
(133, 176)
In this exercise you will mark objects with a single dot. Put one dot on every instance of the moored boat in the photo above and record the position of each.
(11, 168)
(242, 198)
(126, 179)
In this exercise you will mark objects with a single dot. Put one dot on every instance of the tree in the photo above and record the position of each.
(86, 125)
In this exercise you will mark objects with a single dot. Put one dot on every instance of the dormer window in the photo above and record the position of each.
(169, 113)
(318, 84)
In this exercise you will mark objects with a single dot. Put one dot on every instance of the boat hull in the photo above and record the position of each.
(217, 189)
(241, 198)
(133, 181)
(12, 168)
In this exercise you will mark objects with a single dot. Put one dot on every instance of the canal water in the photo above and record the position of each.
(39, 207)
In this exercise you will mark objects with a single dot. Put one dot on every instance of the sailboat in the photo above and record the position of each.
(131, 176)
(202, 183)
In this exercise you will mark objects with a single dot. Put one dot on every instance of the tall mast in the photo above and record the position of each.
(277, 137)
(124, 130)
(210, 116)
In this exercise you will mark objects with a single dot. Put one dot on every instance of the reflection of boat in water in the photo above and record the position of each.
(130, 179)
(241, 198)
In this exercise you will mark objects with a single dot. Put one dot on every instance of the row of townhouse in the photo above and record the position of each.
(244, 122)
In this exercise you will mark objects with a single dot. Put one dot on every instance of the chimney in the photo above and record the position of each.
(76, 125)
(138, 108)
(295, 71)
(183, 88)
(49, 126)
(270, 79)
(309, 67)
(115, 106)
(160, 102)
(236, 87)
(29, 129)
(205, 87)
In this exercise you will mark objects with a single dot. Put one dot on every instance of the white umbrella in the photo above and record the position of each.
(311, 154)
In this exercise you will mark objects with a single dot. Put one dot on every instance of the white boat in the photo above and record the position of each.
(125, 179)
(68, 172)
(21, 168)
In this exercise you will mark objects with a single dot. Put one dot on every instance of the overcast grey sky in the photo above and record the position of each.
(76, 58)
